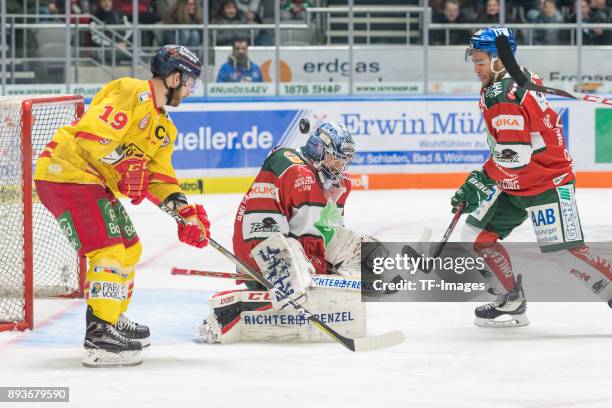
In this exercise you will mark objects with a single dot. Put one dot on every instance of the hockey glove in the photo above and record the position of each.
(134, 178)
(477, 188)
(196, 229)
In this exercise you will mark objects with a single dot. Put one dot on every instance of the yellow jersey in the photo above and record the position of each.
(122, 121)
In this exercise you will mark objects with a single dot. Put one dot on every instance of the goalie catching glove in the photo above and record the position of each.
(476, 188)
(196, 229)
(134, 179)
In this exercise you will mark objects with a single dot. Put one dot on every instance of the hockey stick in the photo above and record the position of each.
(513, 68)
(335, 282)
(209, 274)
(407, 250)
(361, 344)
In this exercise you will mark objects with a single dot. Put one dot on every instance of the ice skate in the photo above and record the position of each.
(508, 310)
(105, 347)
(133, 331)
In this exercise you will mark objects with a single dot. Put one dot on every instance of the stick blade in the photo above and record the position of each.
(379, 342)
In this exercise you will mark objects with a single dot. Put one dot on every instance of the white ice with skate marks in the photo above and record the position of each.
(560, 360)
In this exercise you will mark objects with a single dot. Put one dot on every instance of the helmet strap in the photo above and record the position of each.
(172, 91)
(496, 74)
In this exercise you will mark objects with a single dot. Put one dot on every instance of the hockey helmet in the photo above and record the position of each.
(172, 58)
(330, 149)
(484, 40)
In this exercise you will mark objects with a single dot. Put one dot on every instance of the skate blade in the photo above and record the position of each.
(503, 321)
(102, 358)
(143, 342)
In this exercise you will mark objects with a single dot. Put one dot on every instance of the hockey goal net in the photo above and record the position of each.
(36, 259)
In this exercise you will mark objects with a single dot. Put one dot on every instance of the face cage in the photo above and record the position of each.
(346, 159)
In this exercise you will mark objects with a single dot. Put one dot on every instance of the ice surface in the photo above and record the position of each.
(560, 360)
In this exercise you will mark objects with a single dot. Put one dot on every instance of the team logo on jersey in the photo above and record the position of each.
(144, 121)
(508, 122)
(268, 224)
(506, 156)
(293, 158)
(144, 96)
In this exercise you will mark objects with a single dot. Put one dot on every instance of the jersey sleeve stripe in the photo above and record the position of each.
(88, 136)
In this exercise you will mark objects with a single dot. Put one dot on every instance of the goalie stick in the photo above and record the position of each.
(360, 344)
(513, 68)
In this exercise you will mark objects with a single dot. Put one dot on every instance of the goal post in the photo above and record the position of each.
(36, 259)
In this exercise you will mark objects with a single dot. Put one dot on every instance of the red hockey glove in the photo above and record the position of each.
(195, 231)
(134, 179)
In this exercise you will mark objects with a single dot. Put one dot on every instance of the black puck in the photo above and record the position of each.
(304, 126)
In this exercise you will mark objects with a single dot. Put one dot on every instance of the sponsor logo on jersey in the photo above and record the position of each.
(132, 150)
(264, 190)
(144, 121)
(569, 213)
(581, 275)
(104, 141)
(508, 122)
(268, 224)
(493, 90)
(546, 224)
(547, 122)
(600, 285)
(304, 183)
(144, 96)
(509, 184)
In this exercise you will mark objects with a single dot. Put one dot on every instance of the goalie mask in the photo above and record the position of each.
(329, 150)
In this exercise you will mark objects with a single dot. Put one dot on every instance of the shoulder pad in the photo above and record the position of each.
(280, 160)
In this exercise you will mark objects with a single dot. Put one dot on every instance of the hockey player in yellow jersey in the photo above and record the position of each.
(122, 144)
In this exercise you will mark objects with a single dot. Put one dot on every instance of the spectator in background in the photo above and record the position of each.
(147, 14)
(238, 67)
(489, 14)
(295, 9)
(108, 15)
(228, 13)
(600, 11)
(184, 12)
(250, 9)
(592, 36)
(451, 14)
(549, 15)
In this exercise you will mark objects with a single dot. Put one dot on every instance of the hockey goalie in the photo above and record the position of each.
(289, 227)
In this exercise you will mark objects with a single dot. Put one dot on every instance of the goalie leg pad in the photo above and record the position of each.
(283, 262)
(244, 315)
